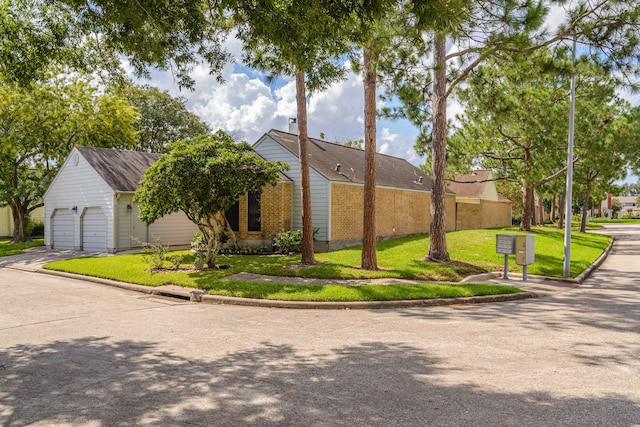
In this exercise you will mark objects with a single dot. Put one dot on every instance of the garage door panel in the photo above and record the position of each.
(94, 230)
(63, 230)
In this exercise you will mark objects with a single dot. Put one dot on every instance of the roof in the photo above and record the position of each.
(471, 185)
(122, 170)
(325, 157)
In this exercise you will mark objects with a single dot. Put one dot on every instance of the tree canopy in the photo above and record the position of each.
(203, 177)
(40, 125)
(163, 118)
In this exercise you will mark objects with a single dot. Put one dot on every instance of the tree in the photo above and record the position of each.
(203, 177)
(40, 125)
(33, 35)
(480, 30)
(163, 119)
(303, 40)
(514, 121)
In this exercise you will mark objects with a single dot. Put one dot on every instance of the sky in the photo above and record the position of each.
(247, 105)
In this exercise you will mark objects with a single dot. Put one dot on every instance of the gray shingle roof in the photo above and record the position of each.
(324, 156)
(122, 170)
(471, 185)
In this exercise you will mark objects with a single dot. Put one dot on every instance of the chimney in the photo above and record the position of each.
(609, 201)
(293, 125)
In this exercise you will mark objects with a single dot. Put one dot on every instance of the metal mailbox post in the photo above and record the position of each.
(506, 244)
(524, 252)
(519, 244)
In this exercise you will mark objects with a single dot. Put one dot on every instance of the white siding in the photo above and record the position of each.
(175, 230)
(79, 185)
(272, 151)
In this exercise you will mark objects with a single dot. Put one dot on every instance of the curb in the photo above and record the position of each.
(194, 295)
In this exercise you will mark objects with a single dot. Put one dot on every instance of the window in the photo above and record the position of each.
(233, 216)
(253, 208)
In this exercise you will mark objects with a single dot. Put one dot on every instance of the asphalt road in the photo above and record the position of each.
(79, 353)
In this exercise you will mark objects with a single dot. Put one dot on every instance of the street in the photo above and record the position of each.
(79, 353)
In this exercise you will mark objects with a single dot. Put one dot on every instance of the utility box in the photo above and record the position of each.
(524, 249)
(506, 244)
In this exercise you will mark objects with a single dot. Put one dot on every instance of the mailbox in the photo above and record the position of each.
(506, 244)
(524, 249)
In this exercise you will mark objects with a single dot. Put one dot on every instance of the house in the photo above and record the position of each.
(89, 206)
(627, 205)
(337, 172)
(478, 204)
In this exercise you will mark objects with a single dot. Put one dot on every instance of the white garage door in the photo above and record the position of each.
(62, 224)
(94, 230)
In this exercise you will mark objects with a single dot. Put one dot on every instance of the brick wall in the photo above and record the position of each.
(398, 212)
(275, 214)
(486, 214)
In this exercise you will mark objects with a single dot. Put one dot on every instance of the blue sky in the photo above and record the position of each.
(248, 105)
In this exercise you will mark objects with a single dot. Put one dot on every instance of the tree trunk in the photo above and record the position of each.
(308, 257)
(19, 214)
(369, 257)
(561, 202)
(527, 206)
(540, 212)
(553, 209)
(585, 203)
(438, 232)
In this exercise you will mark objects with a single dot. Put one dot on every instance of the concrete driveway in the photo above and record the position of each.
(79, 353)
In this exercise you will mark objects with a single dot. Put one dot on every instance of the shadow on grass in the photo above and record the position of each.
(102, 381)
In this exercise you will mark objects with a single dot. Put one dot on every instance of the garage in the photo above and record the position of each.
(94, 230)
(62, 225)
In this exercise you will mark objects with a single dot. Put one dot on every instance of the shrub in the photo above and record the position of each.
(288, 241)
(35, 228)
(175, 260)
(154, 254)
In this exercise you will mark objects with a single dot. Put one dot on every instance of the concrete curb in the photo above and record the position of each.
(195, 295)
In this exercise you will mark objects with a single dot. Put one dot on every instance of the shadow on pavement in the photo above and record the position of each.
(97, 381)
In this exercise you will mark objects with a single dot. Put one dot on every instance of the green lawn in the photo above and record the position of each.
(473, 251)
(7, 249)
(616, 221)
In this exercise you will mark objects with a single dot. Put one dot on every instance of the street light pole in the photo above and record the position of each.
(567, 216)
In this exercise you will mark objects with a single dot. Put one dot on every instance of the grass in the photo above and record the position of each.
(473, 251)
(616, 221)
(7, 248)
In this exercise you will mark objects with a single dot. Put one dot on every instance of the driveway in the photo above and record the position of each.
(78, 353)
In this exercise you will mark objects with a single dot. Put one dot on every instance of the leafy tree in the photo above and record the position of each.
(515, 121)
(163, 119)
(481, 30)
(203, 177)
(161, 34)
(33, 34)
(303, 40)
(40, 125)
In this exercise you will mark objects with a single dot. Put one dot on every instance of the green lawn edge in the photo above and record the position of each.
(473, 251)
(8, 249)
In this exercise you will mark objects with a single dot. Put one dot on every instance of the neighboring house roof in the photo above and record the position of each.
(122, 170)
(324, 157)
(478, 184)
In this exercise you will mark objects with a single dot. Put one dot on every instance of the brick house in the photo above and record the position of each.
(478, 204)
(337, 173)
